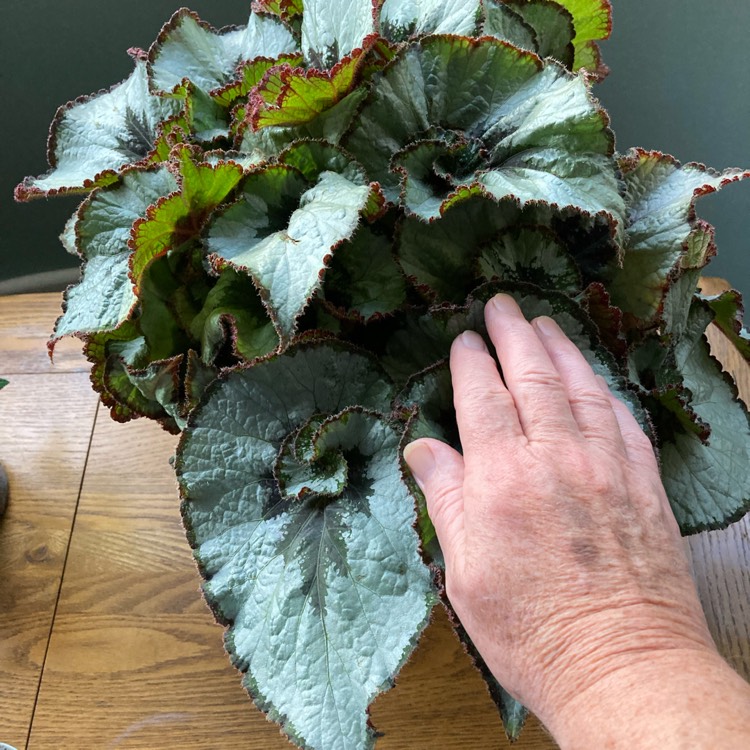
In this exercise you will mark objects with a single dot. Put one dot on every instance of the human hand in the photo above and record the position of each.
(563, 559)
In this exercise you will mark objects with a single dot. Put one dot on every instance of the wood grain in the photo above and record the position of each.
(134, 658)
(45, 426)
(27, 322)
(721, 559)
(136, 654)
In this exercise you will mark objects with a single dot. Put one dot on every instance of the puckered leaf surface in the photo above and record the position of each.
(531, 130)
(93, 137)
(179, 217)
(442, 257)
(329, 32)
(530, 254)
(249, 75)
(504, 22)
(283, 229)
(426, 340)
(660, 196)
(325, 594)
(188, 48)
(552, 25)
(105, 295)
(289, 96)
(330, 125)
(364, 280)
(707, 482)
(593, 22)
(400, 19)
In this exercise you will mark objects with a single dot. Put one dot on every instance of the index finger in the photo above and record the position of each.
(485, 410)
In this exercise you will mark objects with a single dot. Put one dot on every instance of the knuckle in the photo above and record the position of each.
(590, 399)
(539, 377)
(478, 395)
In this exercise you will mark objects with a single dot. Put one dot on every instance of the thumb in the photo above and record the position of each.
(439, 472)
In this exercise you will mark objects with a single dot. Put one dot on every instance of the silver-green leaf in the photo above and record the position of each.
(105, 295)
(321, 584)
(94, 137)
(189, 48)
(282, 231)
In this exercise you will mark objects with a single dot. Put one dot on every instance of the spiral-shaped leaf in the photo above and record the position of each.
(311, 557)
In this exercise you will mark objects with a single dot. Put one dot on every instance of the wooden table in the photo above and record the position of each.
(105, 641)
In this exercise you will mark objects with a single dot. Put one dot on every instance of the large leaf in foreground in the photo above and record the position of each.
(311, 558)
(708, 483)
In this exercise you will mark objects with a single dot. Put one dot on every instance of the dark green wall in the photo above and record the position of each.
(680, 83)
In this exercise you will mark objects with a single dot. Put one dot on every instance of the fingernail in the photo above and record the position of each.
(473, 340)
(421, 462)
(504, 303)
(546, 326)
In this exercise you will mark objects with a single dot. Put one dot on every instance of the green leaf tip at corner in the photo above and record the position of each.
(180, 216)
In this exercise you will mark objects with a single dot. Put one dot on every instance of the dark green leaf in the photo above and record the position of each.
(660, 197)
(728, 315)
(233, 310)
(364, 280)
(530, 254)
(553, 26)
(707, 484)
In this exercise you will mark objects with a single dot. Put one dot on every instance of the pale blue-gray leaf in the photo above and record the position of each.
(105, 295)
(101, 134)
(189, 48)
(400, 19)
(325, 594)
(288, 259)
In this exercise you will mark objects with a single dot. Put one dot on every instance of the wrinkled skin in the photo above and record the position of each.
(563, 559)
